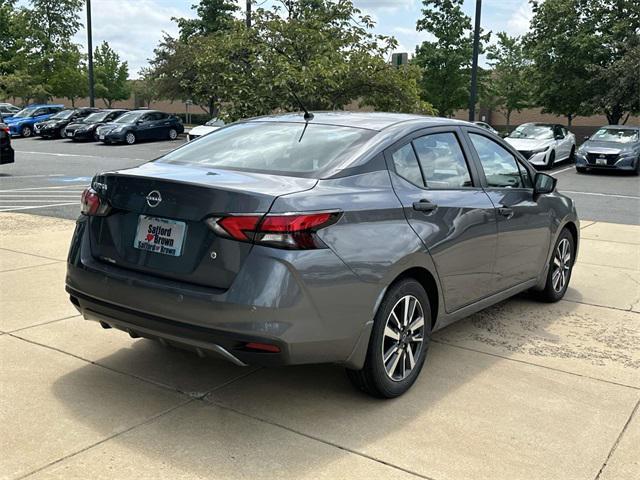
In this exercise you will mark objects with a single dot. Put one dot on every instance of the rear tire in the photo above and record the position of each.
(173, 134)
(400, 339)
(560, 268)
(130, 138)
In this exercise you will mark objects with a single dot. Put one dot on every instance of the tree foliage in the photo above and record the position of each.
(322, 50)
(213, 16)
(508, 81)
(110, 75)
(446, 61)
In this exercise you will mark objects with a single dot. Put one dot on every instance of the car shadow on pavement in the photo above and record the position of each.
(462, 393)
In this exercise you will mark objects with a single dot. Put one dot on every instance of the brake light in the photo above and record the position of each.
(5, 129)
(91, 204)
(291, 231)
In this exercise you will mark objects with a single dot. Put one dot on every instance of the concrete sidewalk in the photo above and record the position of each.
(523, 390)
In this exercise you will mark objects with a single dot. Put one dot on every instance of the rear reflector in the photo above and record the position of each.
(291, 231)
(264, 347)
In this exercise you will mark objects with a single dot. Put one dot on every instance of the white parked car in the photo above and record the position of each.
(543, 144)
(211, 126)
(488, 127)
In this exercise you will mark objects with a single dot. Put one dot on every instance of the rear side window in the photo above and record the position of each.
(500, 167)
(406, 165)
(442, 161)
(297, 149)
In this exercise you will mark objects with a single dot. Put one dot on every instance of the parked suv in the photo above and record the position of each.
(21, 124)
(141, 125)
(55, 126)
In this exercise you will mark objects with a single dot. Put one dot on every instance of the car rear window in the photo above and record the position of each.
(296, 149)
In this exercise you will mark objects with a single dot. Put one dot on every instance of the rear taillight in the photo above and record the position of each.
(91, 204)
(291, 231)
(5, 129)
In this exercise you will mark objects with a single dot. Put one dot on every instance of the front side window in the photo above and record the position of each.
(442, 161)
(500, 167)
(290, 148)
(406, 165)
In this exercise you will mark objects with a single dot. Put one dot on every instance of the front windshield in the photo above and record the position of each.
(273, 147)
(96, 117)
(617, 135)
(25, 112)
(536, 132)
(64, 114)
(215, 122)
(129, 117)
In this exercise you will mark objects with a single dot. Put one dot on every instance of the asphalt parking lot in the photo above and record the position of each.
(49, 175)
(522, 390)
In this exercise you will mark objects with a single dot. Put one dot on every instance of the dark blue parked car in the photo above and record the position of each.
(21, 124)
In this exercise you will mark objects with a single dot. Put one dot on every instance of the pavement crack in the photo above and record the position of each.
(617, 442)
(43, 323)
(33, 255)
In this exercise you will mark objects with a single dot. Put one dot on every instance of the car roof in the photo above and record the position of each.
(34, 105)
(622, 127)
(367, 120)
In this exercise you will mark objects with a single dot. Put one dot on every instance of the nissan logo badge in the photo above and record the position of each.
(153, 198)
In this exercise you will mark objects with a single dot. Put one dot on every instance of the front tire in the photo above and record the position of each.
(62, 133)
(130, 138)
(552, 159)
(572, 155)
(399, 342)
(560, 268)
(581, 169)
(26, 131)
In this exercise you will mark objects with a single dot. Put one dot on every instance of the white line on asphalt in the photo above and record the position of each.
(9, 177)
(7, 208)
(69, 188)
(62, 193)
(601, 194)
(78, 155)
(560, 171)
(39, 200)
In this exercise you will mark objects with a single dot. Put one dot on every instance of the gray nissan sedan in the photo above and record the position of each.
(345, 238)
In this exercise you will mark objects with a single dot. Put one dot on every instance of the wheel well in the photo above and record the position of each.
(428, 282)
(573, 230)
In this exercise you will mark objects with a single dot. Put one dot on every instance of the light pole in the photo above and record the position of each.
(474, 64)
(248, 13)
(92, 101)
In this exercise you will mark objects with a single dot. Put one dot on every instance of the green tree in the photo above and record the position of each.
(213, 16)
(446, 61)
(614, 76)
(69, 77)
(508, 81)
(563, 47)
(145, 88)
(110, 75)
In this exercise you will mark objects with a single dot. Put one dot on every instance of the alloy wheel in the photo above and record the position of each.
(26, 131)
(173, 134)
(561, 265)
(130, 138)
(403, 338)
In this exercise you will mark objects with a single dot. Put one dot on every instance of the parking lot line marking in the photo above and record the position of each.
(31, 200)
(78, 155)
(32, 176)
(45, 195)
(560, 171)
(66, 188)
(7, 208)
(633, 197)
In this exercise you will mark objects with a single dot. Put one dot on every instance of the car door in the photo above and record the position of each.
(447, 208)
(562, 143)
(523, 224)
(144, 127)
(163, 125)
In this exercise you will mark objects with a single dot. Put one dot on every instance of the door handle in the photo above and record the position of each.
(424, 206)
(506, 212)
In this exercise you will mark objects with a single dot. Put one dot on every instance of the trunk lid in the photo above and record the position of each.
(187, 195)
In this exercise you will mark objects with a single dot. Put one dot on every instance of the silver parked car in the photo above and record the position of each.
(543, 144)
(345, 238)
(614, 147)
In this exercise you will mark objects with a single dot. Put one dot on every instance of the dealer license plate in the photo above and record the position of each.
(601, 161)
(101, 137)
(160, 235)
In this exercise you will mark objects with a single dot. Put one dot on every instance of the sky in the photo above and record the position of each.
(134, 27)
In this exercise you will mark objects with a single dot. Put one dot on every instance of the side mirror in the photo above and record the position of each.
(586, 137)
(544, 183)
(559, 136)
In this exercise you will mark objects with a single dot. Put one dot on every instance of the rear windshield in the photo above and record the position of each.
(273, 147)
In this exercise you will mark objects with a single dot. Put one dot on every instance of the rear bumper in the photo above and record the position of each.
(310, 305)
